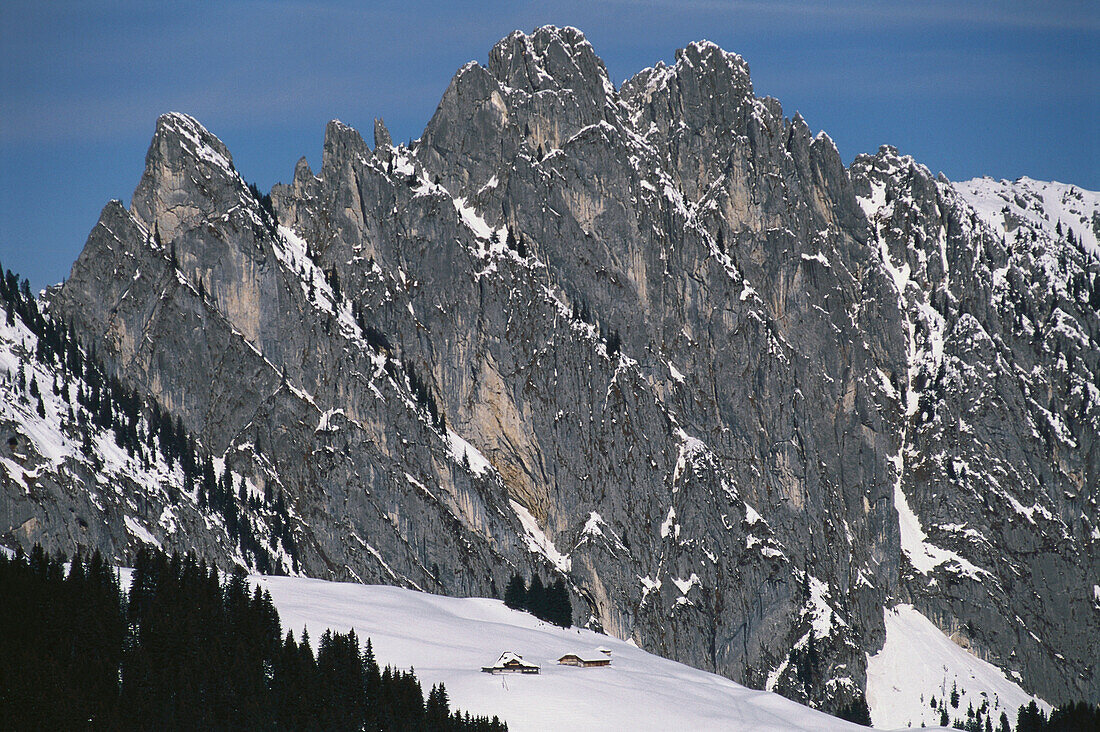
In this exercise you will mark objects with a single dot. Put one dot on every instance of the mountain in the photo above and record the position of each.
(655, 340)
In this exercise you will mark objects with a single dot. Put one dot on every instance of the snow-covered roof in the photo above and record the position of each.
(514, 659)
(588, 657)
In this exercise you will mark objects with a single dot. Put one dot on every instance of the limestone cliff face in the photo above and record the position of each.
(999, 458)
(655, 340)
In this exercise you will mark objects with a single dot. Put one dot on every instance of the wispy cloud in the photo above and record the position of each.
(1075, 16)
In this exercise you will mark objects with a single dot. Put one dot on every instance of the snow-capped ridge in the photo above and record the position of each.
(1045, 205)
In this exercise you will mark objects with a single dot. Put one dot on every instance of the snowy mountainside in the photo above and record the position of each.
(655, 341)
(1044, 205)
(920, 664)
(997, 475)
(101, 490)
(449, 640)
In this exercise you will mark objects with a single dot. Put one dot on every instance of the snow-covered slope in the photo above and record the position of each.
(1045, 205)
(41, 442)
(109, 495)
(449, 639)
(919, 662)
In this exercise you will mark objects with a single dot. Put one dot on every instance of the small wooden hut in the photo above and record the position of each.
(575, 659)
(511, 663)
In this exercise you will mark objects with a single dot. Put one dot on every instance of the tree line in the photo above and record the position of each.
(1070, 717)
(546, 602)
(184, 648)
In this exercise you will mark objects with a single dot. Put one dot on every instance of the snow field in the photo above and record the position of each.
(449, 639)
(919, 661)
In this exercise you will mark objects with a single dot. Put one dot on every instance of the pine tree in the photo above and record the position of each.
(613, 343)
(437, 711)
(560, 608)
(334, 283)
(856, 711)
(515, 594)
(536, 598)
(1030, 718)
(186, 651)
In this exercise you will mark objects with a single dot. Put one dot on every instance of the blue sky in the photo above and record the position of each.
(996, 88)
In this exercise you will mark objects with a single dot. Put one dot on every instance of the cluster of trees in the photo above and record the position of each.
(977, 720)
(424, 397)
(1071, 717)
(332, 277)
(264, 199)
(807, 663)
(581, 313)
(232, 499)
(98, 400)
(550, 603)
(95, 400)
(375, 338)
(610, 336)
(1072, 238)
(856, 711)
(516, 243)
(418, 387)
(183, 649)
(1086, 287)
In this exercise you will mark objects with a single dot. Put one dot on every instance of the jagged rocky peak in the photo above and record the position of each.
(381, 134)
(880, 178)
(885, 165)
(184, 165)
(302, 171)
(343, 144)
(551, 58)
(708, 74)
(537, 92)
(706, 87)
(192, 137)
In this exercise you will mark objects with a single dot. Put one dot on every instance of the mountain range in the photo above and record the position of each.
(656, 341)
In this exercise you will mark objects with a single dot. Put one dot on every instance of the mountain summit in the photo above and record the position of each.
(656, 342)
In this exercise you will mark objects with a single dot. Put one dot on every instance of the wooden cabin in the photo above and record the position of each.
(511, 663)
(574, 659)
